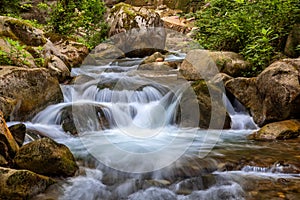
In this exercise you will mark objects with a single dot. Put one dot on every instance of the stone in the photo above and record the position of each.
(8, 145)
(47, 157)
(18, 132)
(22, 184)
(292, 42)
(103, 54)
(157, 66)
(220, 78)
(31, 89)
(282, 130)
(156, 57)
(19, 30)
(213, 113)
(58, 69)
(276, 87)
(137, 31)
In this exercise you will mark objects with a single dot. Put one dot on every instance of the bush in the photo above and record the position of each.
(256, 29)
(83, 18)
(9, 6)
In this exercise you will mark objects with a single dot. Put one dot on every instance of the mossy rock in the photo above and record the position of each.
(47, 157)
(21, 184)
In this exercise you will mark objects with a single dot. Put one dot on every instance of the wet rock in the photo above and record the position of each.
(137, 31)
(18, 131)
(292, 41)
(276, 87)
(32, 89)
(7, 106)
(19, 30)
(213, 113)
(220, 78)
(156, 57)
(22, 184)
(103, 54)
(8, 146)
(47, 157)
(287, 129)
(158, 66)
(58, 69)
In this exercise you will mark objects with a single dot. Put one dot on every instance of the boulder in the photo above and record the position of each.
(58, 68)
(137, 31)
(220, 78)
(7, 106)
(282, 130)
(199, 63)
(18, 132)
(157, 56)
(31, 89)
(21, 31)
(213, 113)
(292, 42)
(22, 184)
(158, 66)
(8, 146)
(47, 157)
(103, 54)
(274, 95)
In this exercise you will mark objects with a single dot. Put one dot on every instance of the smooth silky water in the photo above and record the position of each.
(135, 148)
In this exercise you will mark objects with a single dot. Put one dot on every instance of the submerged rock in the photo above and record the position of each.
(47, 157)
(287, 129)
(21, 184)
(274, 95)
(31, 89)
(8, 146)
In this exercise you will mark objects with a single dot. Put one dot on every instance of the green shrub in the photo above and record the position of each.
(9, 7)
(84, 18)
(256, 29)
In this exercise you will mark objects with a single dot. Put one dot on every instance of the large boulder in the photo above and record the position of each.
(8, 146)
(282, 130)
(47, 157)
(213, 113)
(137, 31)
(22, 184)
(18, 132)
(32, 90)
(200, 64)
(274, 95)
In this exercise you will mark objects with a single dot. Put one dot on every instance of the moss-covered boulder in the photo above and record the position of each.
(21, 184)
(282, 130)
(213, 113)
(32, 90)
(137, 31)
(19, 30)
(8, 146)
(47, 157)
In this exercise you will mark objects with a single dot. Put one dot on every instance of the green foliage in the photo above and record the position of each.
(83, 18)
(256, 29)
(9, 6)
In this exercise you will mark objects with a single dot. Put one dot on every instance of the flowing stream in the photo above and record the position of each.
(129, 144)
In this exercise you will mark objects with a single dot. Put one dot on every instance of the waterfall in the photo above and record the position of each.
(240, 118)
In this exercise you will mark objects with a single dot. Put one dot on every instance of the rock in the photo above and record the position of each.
(220, 78)
(230, 63)
(111, 3)
(21, 184)
(19, 30)
(14, 56)
(292, 42)
(103, 54)
(198, 65)
(137, 31)
(185, 5)
(7, 106)
(156, 57)
(18, 131)
(158, 66)
(8, 146)
(47, 157)
(58, 69)
(212, 111)
(3, 161)
(74, 52)
(282, 130)
(276, 87)
(68, 114)
(32, 89)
